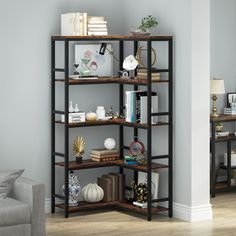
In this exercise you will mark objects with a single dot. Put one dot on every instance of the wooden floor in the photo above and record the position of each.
(116, 223)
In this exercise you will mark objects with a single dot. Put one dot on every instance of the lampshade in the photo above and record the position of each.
(217, 86)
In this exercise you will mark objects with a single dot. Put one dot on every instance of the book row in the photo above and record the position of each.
(136, 106)
(80, 24)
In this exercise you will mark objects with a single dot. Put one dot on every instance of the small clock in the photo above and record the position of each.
(136, 147)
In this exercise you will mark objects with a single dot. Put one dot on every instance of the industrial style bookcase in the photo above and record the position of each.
(135, 82)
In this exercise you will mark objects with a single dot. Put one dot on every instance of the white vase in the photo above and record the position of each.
(92, 193)
(71, 109)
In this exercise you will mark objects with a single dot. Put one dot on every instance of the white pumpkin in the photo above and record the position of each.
(92, 193)
(91, 116)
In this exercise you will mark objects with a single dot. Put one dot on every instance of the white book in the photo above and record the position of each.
(96, 25)
(97, 29)
(67, 24)
(96, 18)
(91, 33)
(77, 24)
(85, 23)
(81, 25)
(143, 109)
(128, 108)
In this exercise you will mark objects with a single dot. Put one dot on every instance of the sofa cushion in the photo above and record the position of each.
(7, 179)
(13, 212)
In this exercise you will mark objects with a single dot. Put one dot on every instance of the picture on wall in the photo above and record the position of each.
(91, 63)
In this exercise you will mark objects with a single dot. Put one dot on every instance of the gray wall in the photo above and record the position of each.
(223, 37)
(26, 27)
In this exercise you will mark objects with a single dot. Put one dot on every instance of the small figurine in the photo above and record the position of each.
(76, 69)
(110, 113)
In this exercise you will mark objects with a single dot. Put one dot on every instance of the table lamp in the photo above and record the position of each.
(217, 87)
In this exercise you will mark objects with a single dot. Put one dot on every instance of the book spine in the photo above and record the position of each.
(104, 152)
(81, 26)
(96, 18)
(99, 26)
(77, 24)
(97, 29)
(85, 23)
(105, 155)
(91, 33)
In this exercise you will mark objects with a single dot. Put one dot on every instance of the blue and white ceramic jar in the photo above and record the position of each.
(74, 189)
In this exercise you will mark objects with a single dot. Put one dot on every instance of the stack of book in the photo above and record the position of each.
(113, 186)
(136, 106)
(74, 24)
(142, 73)
(229, 111)
(130, 160)
(97, 26)
(104, 155)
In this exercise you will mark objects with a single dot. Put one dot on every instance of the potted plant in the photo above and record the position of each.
(148, 23)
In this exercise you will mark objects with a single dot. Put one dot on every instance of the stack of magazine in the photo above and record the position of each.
(136, 106)
(229, 111)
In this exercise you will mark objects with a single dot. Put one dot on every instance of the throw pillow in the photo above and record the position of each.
(7, 179)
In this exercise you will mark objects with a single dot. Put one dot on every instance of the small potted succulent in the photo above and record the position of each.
(147, 25)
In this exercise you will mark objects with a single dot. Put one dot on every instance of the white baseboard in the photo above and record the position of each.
(191, 214)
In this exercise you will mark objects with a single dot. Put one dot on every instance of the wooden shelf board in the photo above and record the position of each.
(223, 118)
(222, 166)
(129, 206)
(123, 205)
(231, 137)
(112, 37)
(111, 80)
(89, 164)
(87, 205)
(117, 121)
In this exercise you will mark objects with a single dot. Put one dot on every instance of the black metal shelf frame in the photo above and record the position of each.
(169, 113)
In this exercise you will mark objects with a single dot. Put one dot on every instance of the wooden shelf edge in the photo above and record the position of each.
(113, 37)
(117, 121)
(112, 80)
(118, 204)
(89, 164)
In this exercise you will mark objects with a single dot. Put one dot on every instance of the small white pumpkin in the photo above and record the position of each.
(92, 193)
(91, 116)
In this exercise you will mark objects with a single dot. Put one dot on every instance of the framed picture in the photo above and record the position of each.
(231, 99)
(91, 62)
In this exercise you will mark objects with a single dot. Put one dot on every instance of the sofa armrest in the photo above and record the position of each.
(33, 194)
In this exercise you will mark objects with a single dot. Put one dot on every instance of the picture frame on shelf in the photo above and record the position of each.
(91, 62)
(231, 98)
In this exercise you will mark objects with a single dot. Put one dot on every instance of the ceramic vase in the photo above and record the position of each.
(92, 193)
(74, 189)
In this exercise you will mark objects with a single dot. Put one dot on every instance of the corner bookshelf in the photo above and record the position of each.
(68, 165)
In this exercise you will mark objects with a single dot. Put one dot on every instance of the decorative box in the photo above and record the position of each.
(75, 117)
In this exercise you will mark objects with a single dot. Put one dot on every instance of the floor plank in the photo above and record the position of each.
(115, 223)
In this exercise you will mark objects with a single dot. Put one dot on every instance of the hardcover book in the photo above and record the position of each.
(101, 152)
(106, 185)
(115, 186)
(121, 184)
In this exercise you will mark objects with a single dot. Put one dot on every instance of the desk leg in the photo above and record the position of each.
(213, 163)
